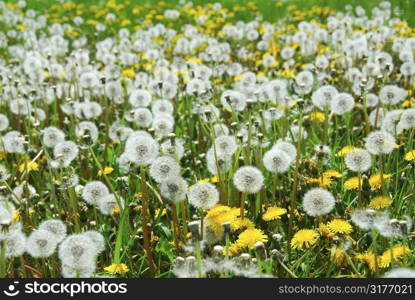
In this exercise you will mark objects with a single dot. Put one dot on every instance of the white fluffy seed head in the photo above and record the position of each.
(56, 227)
(163, 168)
(276, 161)
(41, 243)
(15, 243)
(108, 203)
(248, 179)
(342, 103)
(52, 136)
(400, 273)
(318, 202)
(94, 191)
(141, 149)
(380, 142)
(97, 240)
(174, 189)
(358, 160)
(203, 195)
(226, 145)
(76, 250)
(287, 147)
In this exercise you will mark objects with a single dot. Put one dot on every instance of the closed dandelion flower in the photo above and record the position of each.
(318, 202)
(274, 213)
(56, 227)
(203, 195)
(340, 226)
(380, 142)
(276, 161)
(174, 189)
(380, 202)
(358, 160)
(248, 179)
(94, 191)
(249, 237)
(41, 243)
(304, 239)
(163, 168)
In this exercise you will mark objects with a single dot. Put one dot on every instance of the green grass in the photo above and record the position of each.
(268, 8)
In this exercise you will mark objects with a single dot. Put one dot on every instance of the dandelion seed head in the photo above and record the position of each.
(248, 179)
(318, 202)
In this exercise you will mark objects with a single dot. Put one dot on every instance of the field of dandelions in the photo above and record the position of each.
(158, 140)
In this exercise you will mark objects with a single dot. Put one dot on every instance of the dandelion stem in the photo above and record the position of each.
(144, 222)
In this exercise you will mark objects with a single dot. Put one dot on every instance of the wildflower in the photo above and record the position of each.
(203, 195)
(304, 239)
(342, 103)
(352, 183)
(340, 226)
(41, 243)
(106, 171)
(273, 213)
(358, 160)
(174, 189)
(380, 142)
(375, 180)
(129, 73)
(109, 204)
(345, 150)
(248, 179)
(288, 148)
(114, 269)
(276, 161)
(318, 202)
(410, 156)
(380, 202)
(51, 136)
(317, 116)
(250, 237)
(163, 168)
(56, 227)
(221, 214)
(239, 223)
(94, 191)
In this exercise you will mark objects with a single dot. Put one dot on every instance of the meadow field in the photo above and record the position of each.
(204, 139)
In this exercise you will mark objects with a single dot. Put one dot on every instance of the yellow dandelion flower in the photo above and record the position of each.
(29, 166)
(250, 237)
(273, 213)
(233, 249)
(345, 150)
(351, 183)
(408, 103)
(325, 231)
(115, 211)
(117, 269)
(2, 155)
(340, 226)
(129, 73)
(305, 238)
(106, 171)
(332, 173)
(160, 212)
(410, 156)
(220, 214)
(317, 116)
(380, 202)
(337, 255)
(16, 216)
(214, 179)
(375, 180)
(240, 223)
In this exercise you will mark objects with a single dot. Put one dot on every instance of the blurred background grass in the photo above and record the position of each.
(269, 9)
